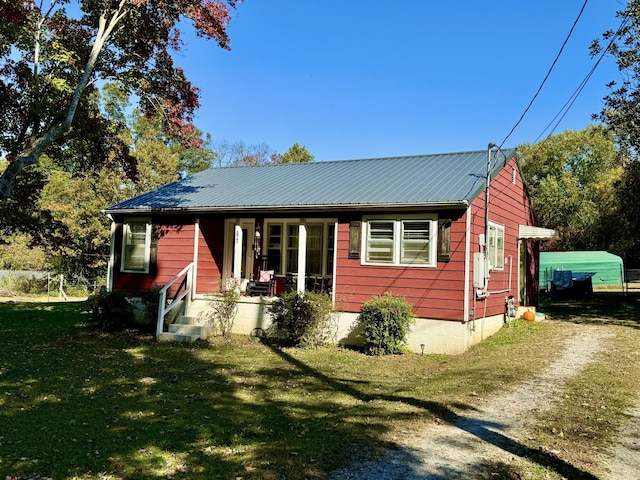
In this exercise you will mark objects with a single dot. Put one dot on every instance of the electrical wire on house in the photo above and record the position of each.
(546, 76)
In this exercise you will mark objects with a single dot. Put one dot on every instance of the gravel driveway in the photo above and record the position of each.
(494, 430)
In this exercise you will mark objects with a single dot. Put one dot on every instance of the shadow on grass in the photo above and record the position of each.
(611, 308)
(77, 403)
(480, 429)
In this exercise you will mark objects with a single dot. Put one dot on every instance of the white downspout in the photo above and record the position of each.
(467, 265)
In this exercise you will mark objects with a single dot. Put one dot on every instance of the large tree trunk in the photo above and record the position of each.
(32, 153)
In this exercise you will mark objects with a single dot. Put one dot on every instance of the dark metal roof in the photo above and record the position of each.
(445, 180)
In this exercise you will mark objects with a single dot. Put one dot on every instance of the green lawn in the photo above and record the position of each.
(76, 403)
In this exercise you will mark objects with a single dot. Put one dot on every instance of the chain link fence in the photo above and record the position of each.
(14, 283)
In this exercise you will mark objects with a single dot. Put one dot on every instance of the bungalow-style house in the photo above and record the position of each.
(414, 226)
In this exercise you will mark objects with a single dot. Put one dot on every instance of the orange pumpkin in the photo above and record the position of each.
(529, 316)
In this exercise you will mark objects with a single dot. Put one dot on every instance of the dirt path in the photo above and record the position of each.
(494, 430)
(625, 462)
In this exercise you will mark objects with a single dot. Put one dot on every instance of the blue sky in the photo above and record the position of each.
(367, 78)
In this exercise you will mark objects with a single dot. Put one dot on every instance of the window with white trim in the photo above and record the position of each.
(282, 245)
(496, 247)
(403, 240)
(136, 245)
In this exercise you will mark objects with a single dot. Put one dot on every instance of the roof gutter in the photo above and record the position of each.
(290, 208)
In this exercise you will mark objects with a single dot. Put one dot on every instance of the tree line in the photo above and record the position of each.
(74, 141)
(586, 184)
(53, 220)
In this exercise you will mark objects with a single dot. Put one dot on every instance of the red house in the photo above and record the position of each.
(415, 226)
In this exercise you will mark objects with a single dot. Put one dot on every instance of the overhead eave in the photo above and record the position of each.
(290, 208)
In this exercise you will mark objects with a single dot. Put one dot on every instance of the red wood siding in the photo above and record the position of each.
(434, 292)
(509, 207)
(439, 292)
(210, 254)
(175, 251)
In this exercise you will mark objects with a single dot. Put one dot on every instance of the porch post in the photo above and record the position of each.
(302, 256)
(196, 243)
(112, 255)
(237, 252)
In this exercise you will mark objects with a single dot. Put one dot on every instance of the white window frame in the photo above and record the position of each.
(397, 241)
(286, 250)
(496, 251)
(126, 242)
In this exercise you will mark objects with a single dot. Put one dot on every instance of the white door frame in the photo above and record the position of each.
(233, 239)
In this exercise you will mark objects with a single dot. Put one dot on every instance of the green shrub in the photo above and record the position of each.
(385, 322)
(111, 311)
(32, 284)
(151, 301)
(21, 283)
(301, 319)
(78, 290)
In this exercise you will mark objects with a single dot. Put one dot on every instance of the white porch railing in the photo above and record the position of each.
(183, 291)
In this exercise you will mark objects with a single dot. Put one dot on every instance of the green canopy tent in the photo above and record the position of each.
(608, 267)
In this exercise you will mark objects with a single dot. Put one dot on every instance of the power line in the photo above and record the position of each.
(547, 75)
(574, 96)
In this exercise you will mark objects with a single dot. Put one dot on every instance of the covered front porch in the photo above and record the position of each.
(260, 257)
(268, 256)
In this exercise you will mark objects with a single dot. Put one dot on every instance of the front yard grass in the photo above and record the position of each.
(76, 403)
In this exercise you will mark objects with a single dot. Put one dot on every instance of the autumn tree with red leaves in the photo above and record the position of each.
(54, 54)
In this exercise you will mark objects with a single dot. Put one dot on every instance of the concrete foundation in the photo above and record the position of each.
(427, 336)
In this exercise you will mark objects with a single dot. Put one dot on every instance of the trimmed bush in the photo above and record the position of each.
(385, 322)
(301, 319)
(151, 301)
(111, 311)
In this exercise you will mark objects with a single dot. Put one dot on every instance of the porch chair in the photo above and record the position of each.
(264, 285)
(317, 284)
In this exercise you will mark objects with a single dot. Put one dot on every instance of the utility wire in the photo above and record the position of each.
(547, 75)
(569, 103)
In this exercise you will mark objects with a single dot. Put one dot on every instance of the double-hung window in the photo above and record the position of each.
(496, 247)
(405, 240)
(136, 245)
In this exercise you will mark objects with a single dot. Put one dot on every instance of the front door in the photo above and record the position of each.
(522, 272)
(238, 248)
